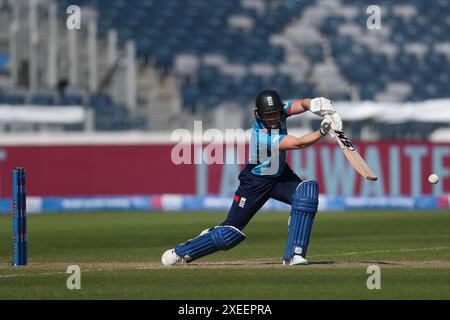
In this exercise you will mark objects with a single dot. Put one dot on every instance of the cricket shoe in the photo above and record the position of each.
(170, 258)
(296, 260)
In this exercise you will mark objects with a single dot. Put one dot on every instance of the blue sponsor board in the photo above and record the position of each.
(219, 203)
(216, 203)
(121, 203)
(5, 206)
(70, 204)
(379, 203)
(387, 203)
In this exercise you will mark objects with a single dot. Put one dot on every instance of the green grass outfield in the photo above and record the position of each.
(119, 256)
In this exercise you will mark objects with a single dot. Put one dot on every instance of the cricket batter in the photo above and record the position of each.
(266, 175)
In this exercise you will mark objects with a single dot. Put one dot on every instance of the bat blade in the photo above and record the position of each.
(353, 156)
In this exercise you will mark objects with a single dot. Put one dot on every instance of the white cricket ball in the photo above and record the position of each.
(433, 179)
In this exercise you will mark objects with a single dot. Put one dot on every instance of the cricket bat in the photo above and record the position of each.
(353, 155)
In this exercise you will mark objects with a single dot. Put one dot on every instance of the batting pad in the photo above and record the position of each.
(219, 238)
(304, 207)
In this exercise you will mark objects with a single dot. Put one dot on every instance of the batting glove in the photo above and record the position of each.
(325, 126)
(321, 107)
(336, 122)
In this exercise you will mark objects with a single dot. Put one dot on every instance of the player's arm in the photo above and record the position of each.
(319, 106)
(290, 142)
(298, 106)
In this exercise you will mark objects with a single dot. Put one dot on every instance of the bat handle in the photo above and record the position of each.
(331, 132)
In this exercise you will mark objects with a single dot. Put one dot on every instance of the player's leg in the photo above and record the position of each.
(252, 193)
(303, 197)
(244, 207)
(285, 186)
(250, 196)
(222, 237)
(209, 241)
(304, 207)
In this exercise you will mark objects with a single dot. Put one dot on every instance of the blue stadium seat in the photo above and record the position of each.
(205, 76)
(74, 127)
(369, 90)
(210, 101)
(314, 53)
(71, 100)
(12, 99)
(111, 118)
(304, 90)
(43, 100)
(100, 101)
(137, 124)
(331, 24)
(191, 96)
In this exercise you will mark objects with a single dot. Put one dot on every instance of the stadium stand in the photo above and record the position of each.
(415, 30)
(228, 50)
